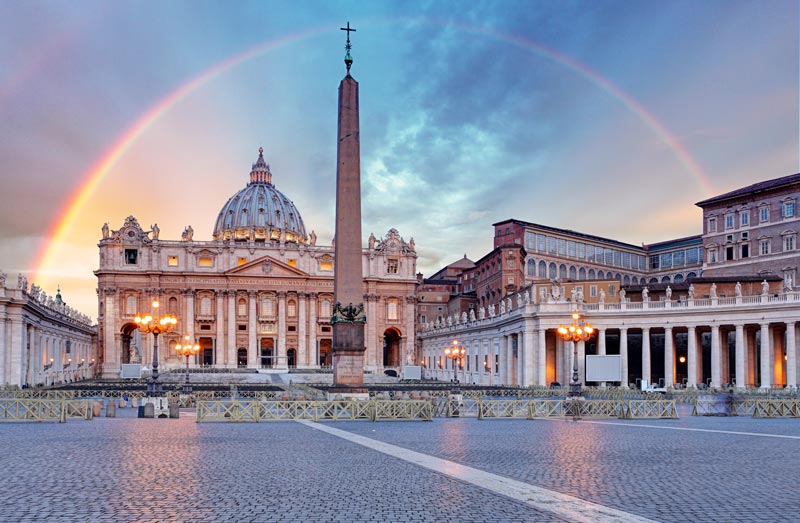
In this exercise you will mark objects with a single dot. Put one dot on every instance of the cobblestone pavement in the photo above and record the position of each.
(127, 469)
(638, 466)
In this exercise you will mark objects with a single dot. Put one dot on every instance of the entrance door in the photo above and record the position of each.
(325, 352)
(241, 358)
(206, 351)
(291, 356)
(267, 351)
(391, 348)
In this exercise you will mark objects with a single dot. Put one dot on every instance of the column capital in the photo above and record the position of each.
(252, 293)
(313, 295)
(302, 295)
(282, 294)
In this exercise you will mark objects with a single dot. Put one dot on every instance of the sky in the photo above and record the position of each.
(611, 118)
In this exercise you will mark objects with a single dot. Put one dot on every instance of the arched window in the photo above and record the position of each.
(172, 305)
(591, 274)
(601, 275)
(626, 280)
(242, 307)
(391, 309)
(678, 278)
(582, 274)
(653, 280)
(665, 279)
(130, 305)
(562, 271)
(691, 275)
(205, 306)
(542, 269)
(573, 273)
(291, 308)
(618, 277)
(243, 220)
(531, 267)
(325, 308)
(553, 271)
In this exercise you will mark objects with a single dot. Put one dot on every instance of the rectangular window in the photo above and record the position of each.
(612, 290)
(205, 327)
(391, 266)
(729, 221)
(496, 363)
(763, 214)
(744, 218)
(618, 258)
(788, 243)
(666, 260)
(609, 257)
(581, 251)
(205, 261)
(593, 291)
(712, 225)
(712, 256)
(551, 245)
(541, 243)
(241, 261)
(562, 247)
(626, 260)
(530, 240)
(590, 253)
(242, 327)
(423, 319)
(172, 261)
(729, 253)
(763, 247)
(571, 249)
(693, 256)
(654, 262)
(511, 280)
(677, 258)
(788, 209)
(326, 266)
(131, 256)
(746, 250)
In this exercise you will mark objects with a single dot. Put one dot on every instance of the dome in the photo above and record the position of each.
(260, 211)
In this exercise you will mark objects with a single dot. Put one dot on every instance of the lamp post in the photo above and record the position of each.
(155, 324)
(456, 354)
(187, 350)
(576, 332)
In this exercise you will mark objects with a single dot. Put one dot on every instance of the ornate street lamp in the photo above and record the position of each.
(576, 332)
(187, 350)
(456, 354)
(155, 324)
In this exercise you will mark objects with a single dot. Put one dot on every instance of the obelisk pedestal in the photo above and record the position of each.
(348, 312)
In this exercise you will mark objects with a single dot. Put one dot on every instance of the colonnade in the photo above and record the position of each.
(741, 353)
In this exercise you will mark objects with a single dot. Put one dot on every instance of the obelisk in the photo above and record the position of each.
(348, 312)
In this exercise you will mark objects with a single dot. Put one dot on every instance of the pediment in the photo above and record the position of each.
(265, 266)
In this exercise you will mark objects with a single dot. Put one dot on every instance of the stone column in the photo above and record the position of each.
(766, 353)
(750, 354)
(231, 343)
(582, 362)
(646, 354)
(623, 352)
(691, 356)
(791, 355)
(410, 330)
(4, 352)
(302, 324)
(601, 347)
(506, 374)
(32, 361)
(188, 323)
(312, 331)
(669, 358)
(16, 345)
(374, 359)
(741, 371)
(283, 362)
(529, 356)
(220, 354)
(252, 331)
(111, 351)
(541, 358)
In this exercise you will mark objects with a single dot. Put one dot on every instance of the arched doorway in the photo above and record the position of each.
(267, 348)
(241, 358)
(291, 356)
(325, 352)
(131, 346)
(391, 347)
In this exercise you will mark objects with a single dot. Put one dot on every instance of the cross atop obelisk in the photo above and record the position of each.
(348, 60)
(348, 282)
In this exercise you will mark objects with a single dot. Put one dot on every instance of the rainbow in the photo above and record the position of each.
(48, 253)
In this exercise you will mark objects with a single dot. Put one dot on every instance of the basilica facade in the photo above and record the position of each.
(258, 295)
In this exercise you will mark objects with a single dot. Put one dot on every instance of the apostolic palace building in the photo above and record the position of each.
(718, 308)
(259, 295)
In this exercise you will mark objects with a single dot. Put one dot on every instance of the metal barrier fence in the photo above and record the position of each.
(256, 411)
(557, 408)
(37, 409)
(777, 408)
(650, 409)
